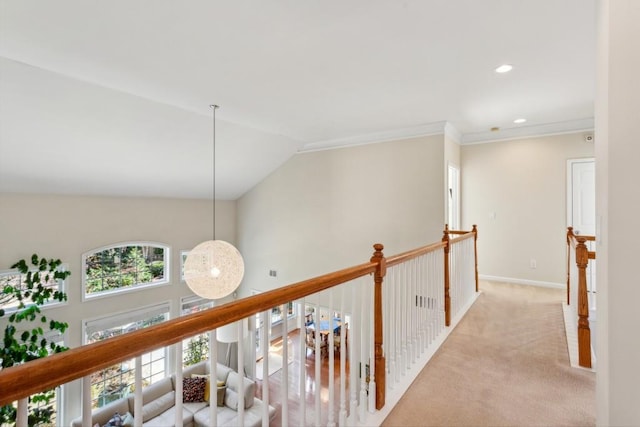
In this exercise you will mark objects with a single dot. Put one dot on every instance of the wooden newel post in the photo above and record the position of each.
(569, 235)
(584, 332)
(475, 252)
(447, 296)
(380, 367)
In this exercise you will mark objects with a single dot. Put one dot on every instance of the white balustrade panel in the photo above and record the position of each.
(413, 312)
(462, 282)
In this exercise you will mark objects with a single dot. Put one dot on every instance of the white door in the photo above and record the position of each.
(581, 192)
(581, 214)
(453, 198)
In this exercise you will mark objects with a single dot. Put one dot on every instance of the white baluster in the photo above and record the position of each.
(86, 401)
(302, 373)
(441, 296)
(353, 338)
(137, 421)
(285, 365)
(363, 351)
(241, 337)
(213, 376)
(370, 314)
(407, 313)
(398, 322)
(264, 339)
(331, 420)
(177, 357)
(342, 417)
(22, 414)
(421, 301)
(414, 310)
(403, 320)
(318, 361)
(391, 320)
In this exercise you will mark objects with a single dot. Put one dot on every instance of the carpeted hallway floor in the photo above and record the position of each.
(506, 364)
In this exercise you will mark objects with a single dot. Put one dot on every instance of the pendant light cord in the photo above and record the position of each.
(214, 107)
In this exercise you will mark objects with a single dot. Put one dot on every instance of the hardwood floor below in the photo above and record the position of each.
(311, 387)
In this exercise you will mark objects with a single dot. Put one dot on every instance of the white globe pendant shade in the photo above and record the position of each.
(214, 269)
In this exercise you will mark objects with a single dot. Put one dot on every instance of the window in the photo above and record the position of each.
(118, 380)
(276, 312)
(55, 403)
(276, 317)
(195, 349)
(15, 279)
(124, 267)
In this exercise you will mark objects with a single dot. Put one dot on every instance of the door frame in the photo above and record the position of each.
(569, 187)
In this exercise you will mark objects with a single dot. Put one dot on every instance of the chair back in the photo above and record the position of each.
(310, 338)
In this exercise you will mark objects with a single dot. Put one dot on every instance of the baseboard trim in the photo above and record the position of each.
(523, 281)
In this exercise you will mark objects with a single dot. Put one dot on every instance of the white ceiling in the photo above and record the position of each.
(112, 97)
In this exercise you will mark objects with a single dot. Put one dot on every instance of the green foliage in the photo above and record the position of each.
(197, 350)
(157, 268)
(122, 267)
(24, 335)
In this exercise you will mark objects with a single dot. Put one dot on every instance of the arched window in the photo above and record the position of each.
(123, 267)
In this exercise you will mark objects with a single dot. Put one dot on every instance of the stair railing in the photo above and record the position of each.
(421, 288)
(579, 289)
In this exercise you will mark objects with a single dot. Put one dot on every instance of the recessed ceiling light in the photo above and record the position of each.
(504, 68)
(518, 121)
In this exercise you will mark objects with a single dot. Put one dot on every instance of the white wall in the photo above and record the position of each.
(522, 182)
(322, 211)
(65, 227)
(618, 209)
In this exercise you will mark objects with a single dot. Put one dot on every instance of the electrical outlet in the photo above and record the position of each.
(533, 263)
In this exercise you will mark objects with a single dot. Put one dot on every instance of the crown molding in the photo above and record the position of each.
(547, 129)
(454, 134)
(372, 138)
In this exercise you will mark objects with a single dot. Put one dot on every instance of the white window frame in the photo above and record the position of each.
(62, 285)
(60, 339)
(188, 302)
(134, 288)
(294, 313)
(130, 316)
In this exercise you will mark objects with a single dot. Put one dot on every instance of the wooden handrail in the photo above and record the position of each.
(60, 368)
(468, 235)
(414, 253)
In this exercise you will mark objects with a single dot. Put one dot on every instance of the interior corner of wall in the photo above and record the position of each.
(452, 133)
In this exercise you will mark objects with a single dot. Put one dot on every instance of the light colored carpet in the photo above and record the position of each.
(506, 364)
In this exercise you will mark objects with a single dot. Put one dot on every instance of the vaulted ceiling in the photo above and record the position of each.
(112, 97)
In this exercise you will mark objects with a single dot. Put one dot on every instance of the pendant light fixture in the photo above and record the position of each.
(214, 268)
